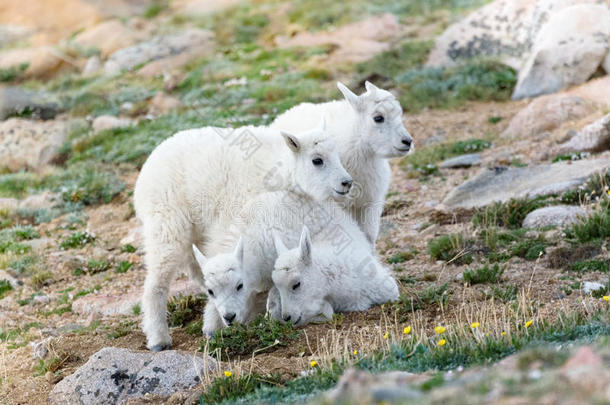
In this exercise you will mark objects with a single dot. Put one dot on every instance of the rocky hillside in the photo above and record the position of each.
(497, 227)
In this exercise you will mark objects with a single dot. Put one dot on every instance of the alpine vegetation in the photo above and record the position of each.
(313, 281)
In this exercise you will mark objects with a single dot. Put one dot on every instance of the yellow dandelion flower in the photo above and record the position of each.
(440, 329)
(503, 333)
(441, 342)
(228, 374)
(406, 330)
(313, 363)
(475, 325)
(386, 335)
(487, 334)
(606, 298)
(355, 352)
(528, 324)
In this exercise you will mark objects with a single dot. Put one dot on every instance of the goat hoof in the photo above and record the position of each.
(160, 347)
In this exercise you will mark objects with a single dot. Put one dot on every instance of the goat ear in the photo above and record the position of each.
(305, 245)
(370, 88)
(280, 248)
(349, 95)
(323, 123)
(239, 250)
(292, 141)
(201, 259)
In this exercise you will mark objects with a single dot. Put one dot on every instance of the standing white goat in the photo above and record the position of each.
(314, 282)
(194, 183)
(368, 130)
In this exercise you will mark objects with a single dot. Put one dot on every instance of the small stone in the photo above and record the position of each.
(463, 161)
(93, 65)
(590, 286)
(30, 144)
(558, 215)
(106, 122)
(42, 299)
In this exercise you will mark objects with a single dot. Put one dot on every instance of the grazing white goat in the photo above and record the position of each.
(313, 282)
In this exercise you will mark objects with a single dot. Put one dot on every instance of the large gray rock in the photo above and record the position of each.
(472, 159)
(114, 375)
(157, 48)
(594, 137)
(502, 184)
(505, 29)
(567, 51)
(559, 215)
(362, 387)
(30, 144)
(14, 100)
(547, 113)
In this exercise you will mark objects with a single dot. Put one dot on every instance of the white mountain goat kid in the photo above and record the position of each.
(368, 130)
(237, 282)
(314, 282)
(194, 183)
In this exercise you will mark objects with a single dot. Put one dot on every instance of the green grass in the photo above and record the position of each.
(77, 239)
(123, 267)
(530, 249)
(412, 356)
(451, 87)
(452, 248)
(402, 257)
(424, 162)
(485, 274)
(595, 227)
(5, 287)
(432, 295)
(12, 73)
(95, 266)
(509, 214)
(155, 9)
(504, 294)
(406, 55)
(183, 309)
(591, 265)
(594, 188)
(260, 335)
(233, 387)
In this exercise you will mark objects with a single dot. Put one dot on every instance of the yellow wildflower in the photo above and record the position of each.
(313, 363)
(441, 342)
(407, 330)
(440, 329)
(503, 333)
(528, 324)
(475, 325)
(606, 298)
(355, 352)
(228, 374)
(386, 335)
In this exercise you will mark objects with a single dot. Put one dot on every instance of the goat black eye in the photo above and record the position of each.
(297, 285)
(211, 293)
(240, 286)
(317, 162)
(379, 119)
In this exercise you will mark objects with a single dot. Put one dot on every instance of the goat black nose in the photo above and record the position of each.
(229, 316)
(287, 318)
(347, 183)
(407, 142)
